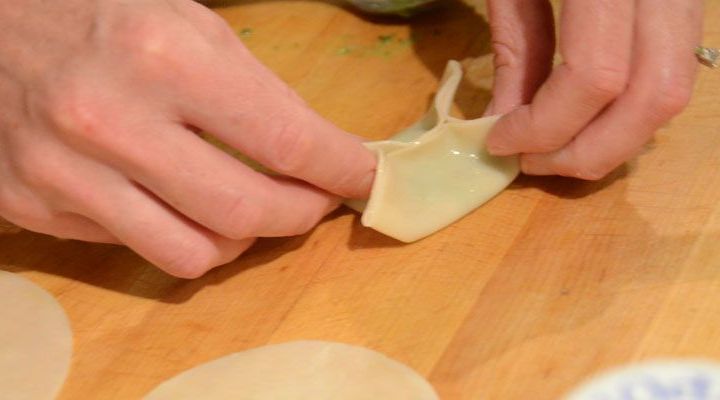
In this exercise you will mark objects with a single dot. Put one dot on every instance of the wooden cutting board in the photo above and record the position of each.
(550, 282)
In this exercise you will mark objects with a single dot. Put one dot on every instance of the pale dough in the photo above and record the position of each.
(35, 341)
(434, 172)
(303, 370)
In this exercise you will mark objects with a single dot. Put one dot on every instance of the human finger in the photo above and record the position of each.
(200, 181)
(61, 225)
(523, 42)
(61, 181)
(163, 237)
(249, 108)
(660, 88)
(23, 206)
(590, 77)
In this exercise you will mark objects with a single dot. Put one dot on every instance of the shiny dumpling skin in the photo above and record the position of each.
(434, 172)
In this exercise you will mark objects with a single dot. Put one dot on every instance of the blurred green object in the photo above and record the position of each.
(404, 8)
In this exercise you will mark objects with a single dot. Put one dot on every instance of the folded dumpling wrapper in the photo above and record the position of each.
(302, 370)
(434, 172)
(35, 341)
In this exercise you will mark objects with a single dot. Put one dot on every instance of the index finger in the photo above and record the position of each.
(248, 107)
(596, 46)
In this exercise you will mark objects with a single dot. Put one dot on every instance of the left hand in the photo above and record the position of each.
(627, 68)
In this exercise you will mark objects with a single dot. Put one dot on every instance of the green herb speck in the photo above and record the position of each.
(245, 32)
(345, 50)
(384, 39)
(406, 42)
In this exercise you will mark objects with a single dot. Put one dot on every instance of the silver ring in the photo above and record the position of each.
(708, 57)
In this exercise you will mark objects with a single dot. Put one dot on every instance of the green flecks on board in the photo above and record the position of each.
(386, 45)
(345, 50)
(385, 39)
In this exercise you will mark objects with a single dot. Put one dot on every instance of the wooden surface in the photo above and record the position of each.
(550, 282)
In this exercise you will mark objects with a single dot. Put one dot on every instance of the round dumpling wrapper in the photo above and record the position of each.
(35, 341)
(298, 371)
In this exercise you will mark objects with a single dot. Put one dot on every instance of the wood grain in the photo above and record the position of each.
(549, 283)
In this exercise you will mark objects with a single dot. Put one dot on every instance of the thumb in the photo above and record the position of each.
(523, 40)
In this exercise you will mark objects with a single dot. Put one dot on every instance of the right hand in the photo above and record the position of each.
(627, 68)
(101, 99)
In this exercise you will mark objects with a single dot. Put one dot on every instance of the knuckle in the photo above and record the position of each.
(23, 211)
(35, 171)
(603, 81)
(77, 116)
(145, 35)
(241, 219)
(189, 261)
(291, 147)
(506, 54)
(147, 42)
(347, 184)
(671, 98)
(507, 44)
(73, 108)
